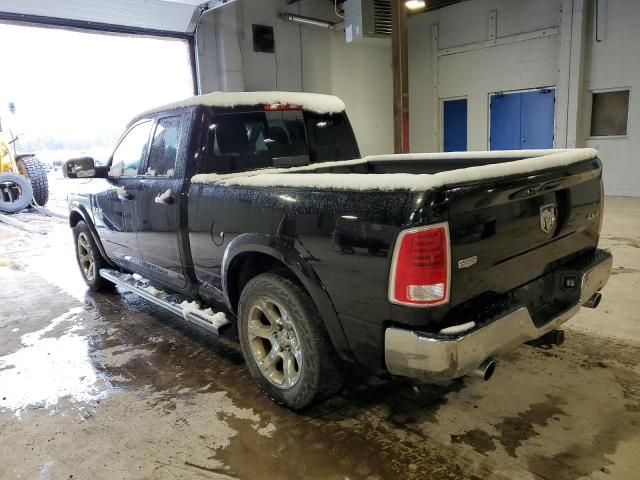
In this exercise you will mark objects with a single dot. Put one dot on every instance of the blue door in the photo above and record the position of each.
(505, 122)
(522, 120)
(538, 113)
(455, 125)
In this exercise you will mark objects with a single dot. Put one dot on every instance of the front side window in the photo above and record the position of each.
(131, 151)
(164, 147)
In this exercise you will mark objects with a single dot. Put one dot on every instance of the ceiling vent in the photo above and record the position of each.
(367, 20)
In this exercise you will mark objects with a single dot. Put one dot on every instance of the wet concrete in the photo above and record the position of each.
(108, 386)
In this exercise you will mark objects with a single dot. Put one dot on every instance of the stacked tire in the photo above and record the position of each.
(16, 192)
(34, 170)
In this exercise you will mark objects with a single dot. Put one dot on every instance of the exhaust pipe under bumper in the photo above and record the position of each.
(485, 370)
(594, 301)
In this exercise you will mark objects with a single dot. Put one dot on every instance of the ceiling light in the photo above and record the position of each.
(415, 4)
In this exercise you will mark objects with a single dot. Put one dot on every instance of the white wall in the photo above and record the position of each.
(360, 74)
(574, 69)
(307, 59)
(267, 71)
(610, 64)
(207, 51)
(481, 70)
(531, 64)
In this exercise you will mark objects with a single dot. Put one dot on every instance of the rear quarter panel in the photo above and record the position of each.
(345, 237)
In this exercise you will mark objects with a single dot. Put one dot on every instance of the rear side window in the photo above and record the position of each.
(164, 147)
(131, 151)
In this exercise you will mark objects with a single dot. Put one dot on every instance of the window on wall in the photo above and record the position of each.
(263, 39)
(609, 113)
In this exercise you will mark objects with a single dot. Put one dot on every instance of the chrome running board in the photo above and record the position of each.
(212, 323)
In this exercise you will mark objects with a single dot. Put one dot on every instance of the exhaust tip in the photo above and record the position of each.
(486, 370)
(594, 301)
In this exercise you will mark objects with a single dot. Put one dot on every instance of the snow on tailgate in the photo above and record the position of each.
(296, 176)
(313, 102)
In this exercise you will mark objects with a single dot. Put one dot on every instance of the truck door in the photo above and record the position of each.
(114, 209)
(157, 204)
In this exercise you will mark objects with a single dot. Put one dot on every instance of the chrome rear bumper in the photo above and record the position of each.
(434, 358)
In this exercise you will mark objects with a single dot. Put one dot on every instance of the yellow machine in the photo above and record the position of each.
(26, 165)
(7, 162)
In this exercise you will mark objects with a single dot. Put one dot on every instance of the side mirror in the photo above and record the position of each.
(83, 167)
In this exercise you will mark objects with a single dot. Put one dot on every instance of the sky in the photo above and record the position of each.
(71, 84)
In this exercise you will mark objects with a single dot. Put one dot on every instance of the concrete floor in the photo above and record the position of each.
(107, 386)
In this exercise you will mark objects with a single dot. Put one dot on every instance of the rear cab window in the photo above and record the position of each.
(244, 141)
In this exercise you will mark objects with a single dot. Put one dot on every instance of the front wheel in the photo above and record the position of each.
(284, 342)
(89, 258)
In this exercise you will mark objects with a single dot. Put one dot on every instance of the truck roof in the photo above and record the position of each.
(313, 102)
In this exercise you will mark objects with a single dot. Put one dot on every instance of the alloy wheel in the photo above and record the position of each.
(274, 343)
(85, 257)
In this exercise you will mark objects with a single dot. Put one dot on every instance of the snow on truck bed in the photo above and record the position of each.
(313, 102)
(300, 177)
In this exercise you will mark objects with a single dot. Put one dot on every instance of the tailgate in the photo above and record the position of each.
(505, 233)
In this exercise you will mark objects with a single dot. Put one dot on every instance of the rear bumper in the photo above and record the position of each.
(437, 358)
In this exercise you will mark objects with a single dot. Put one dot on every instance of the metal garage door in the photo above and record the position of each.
(162, 15)
(522, 120)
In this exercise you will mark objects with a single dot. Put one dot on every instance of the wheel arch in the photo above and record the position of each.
(79, 213)
(250, 255)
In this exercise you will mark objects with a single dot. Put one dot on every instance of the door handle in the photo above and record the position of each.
(123, 194)
(165, 198)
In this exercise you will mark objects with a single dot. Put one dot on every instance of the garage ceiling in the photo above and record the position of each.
(167, 15)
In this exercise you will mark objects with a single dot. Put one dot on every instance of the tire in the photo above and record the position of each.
(289, 338)
(33, 169)
(15, 193)
(89, 258)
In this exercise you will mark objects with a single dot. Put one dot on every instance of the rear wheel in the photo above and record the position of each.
(89, 258)
(34, 170)
(284, 343)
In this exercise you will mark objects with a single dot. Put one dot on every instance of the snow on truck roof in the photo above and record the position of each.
(314, 102)
(510, 162)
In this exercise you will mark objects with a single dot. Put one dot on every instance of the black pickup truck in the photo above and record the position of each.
(258, 206)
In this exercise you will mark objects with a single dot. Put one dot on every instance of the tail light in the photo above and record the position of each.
(420, 268)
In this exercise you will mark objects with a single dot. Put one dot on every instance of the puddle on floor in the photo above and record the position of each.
(51, 364)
